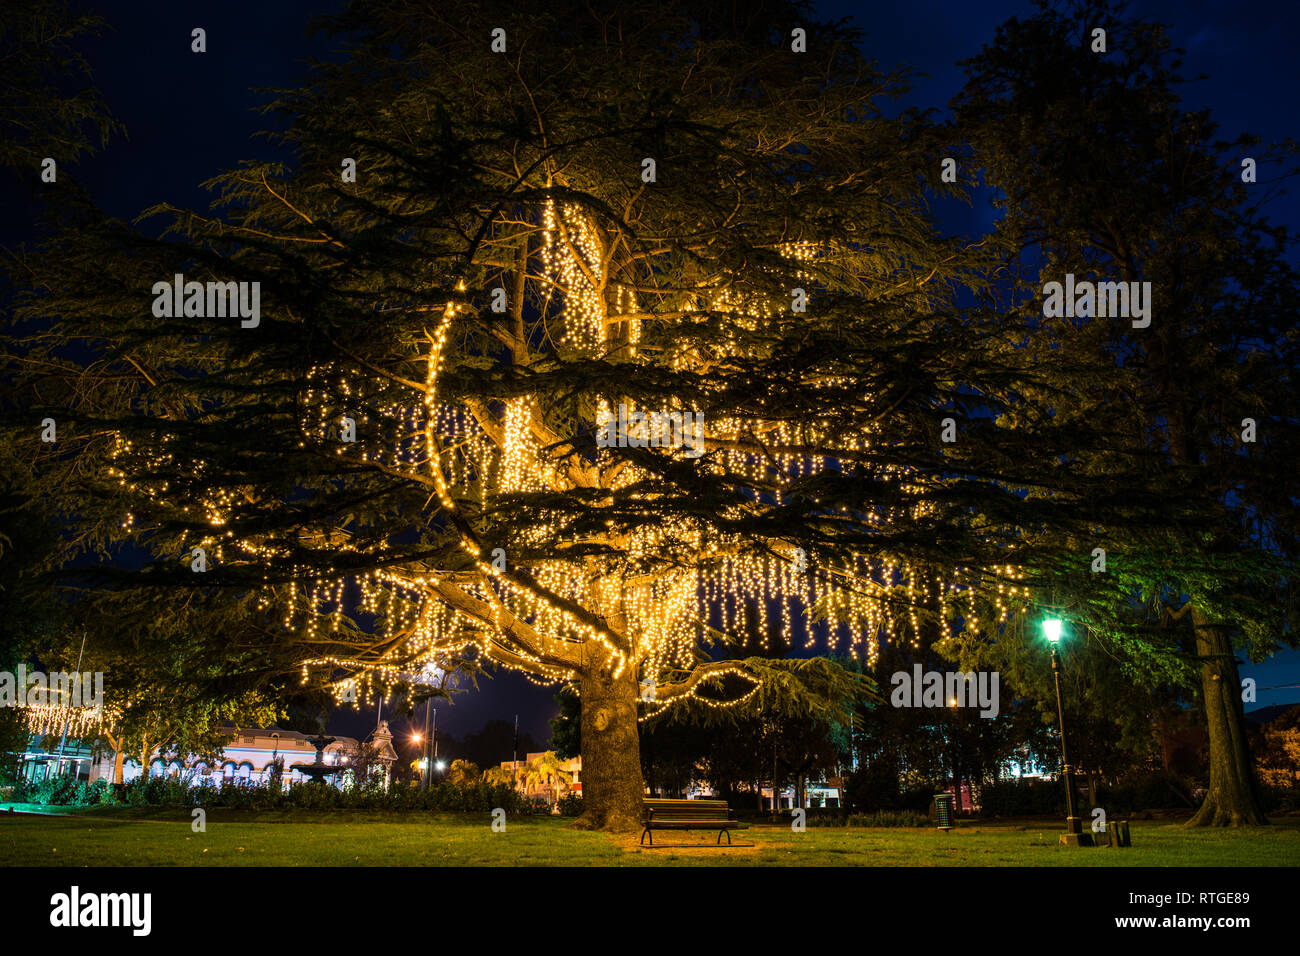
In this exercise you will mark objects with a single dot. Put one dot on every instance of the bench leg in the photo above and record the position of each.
(646, 832)
(721, 833)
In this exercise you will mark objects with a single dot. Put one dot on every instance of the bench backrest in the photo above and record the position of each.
(688, 809)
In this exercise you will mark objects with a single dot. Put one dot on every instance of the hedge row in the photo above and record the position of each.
(1159, 791)
(172, 792)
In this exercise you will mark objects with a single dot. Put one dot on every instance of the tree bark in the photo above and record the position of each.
(612, 789)
(119, 755)
(776, 784)
(1233, 797)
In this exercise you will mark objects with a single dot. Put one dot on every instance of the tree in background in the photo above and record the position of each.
(1279, 751)
(463, 772)
(40, 115)
(546, 770)
(1105, 174)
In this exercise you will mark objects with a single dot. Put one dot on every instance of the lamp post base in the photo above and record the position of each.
(1076, 839)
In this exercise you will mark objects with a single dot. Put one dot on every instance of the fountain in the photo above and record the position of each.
(319, 769)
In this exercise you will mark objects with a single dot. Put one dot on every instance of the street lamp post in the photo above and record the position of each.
(1073, 835)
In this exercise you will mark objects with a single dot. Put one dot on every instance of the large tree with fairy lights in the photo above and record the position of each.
(482, 247)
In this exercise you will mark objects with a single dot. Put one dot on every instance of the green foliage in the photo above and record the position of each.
(463, 771)
(173, 792)
(38, 45)
(1010, 798)
(881, 818)
(566, 726)
(570, 805)
(1147, 192)
(1139, 792)
(68, 791)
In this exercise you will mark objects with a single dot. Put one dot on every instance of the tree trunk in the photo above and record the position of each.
(956, 779)
(776, 785)
(1233, 797)
(649, 764)
(611, 757)
(119, 755)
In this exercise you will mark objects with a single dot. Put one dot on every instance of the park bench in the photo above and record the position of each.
(689, 815)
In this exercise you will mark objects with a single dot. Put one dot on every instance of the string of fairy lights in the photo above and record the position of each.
(664, 585)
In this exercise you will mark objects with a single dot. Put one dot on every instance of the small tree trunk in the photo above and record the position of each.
(612, 789)
(119, 756)
(776, 785)
(1233, 797)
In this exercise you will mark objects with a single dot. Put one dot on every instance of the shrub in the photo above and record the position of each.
(570, 805)
(1280, 799)
(1018, 798)
(181, 791)
(1154, 791)
(918, 799)
(881, 818)
(56, 791)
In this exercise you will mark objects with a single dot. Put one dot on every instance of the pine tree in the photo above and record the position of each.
(1105, 175)
(477, 267)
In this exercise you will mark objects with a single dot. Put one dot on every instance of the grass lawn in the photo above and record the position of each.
(151, 837)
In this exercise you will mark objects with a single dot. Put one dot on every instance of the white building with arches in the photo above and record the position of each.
(247, 759)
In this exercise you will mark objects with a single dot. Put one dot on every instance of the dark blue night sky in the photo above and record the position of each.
(189, 117)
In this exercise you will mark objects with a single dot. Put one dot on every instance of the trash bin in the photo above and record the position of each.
(943, 806)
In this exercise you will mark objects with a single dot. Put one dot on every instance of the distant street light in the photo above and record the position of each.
(1073, 835)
